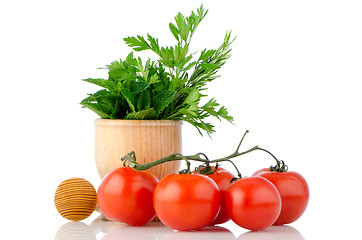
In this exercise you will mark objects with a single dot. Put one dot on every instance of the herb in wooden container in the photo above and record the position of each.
(170, 87)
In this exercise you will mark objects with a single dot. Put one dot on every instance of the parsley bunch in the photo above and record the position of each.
(168, 88)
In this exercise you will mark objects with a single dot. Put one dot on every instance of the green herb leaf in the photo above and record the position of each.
(98, 109)
(209, 66)
(153, 79)
(136, 86)
(154, 43)
(97, 81)
(117, 111)
(182, 26)
(144, 100)
(174, 31)
(142, 115)
(193, 96)
(138, 44)
(162, 100)
(130, 98)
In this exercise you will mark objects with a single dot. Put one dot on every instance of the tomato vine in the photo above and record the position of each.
(131, 161)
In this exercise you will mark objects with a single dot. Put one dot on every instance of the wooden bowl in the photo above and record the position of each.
(149, 139)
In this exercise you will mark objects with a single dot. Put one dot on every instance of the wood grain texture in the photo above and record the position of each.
(75, 199)
(150, 139)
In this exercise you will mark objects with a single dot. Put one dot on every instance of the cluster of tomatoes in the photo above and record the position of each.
(193, 201)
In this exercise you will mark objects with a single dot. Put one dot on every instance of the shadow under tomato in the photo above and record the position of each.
(151, 231)
(273, 233)
(207, 233)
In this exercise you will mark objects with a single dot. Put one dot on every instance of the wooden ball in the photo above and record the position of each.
(75, 199)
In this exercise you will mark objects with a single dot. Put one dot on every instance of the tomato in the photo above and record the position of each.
(126, 195)
(253, 203)
(222, 179)
(260, 171)
(294, 192)
(186, 201)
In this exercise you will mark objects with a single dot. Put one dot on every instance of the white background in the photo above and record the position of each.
(293, 81)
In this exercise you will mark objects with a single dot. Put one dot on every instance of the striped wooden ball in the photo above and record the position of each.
(75, 199)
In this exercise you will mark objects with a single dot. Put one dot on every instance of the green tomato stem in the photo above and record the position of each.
(280, 165)
(201, 157)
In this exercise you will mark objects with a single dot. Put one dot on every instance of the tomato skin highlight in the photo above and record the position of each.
(261, 171)
(222, 179)
(126, 195)
(294, 192)
(253, 203)
(186, 201)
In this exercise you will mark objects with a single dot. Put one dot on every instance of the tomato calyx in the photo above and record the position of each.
(279, 167)
(184, 171)
(206, 169)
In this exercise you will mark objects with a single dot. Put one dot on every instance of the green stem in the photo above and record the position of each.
(242, 139)
(280, 166)
(262, 149)
(131, 158)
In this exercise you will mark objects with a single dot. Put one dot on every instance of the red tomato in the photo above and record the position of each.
(186, 201)
(294, 192)
(126, 195)
(253, 203)
(222, 179)
(260, 171)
